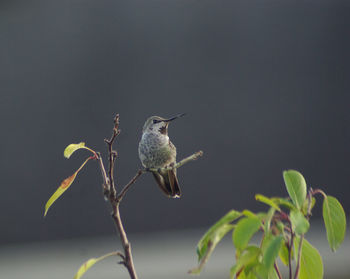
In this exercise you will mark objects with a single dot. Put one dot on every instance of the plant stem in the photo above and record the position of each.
(112, 156)
(277, 270)
(181, 163)
(296, 276)
(111, 195)
(290, 248)
(127, 186)
(128, 260)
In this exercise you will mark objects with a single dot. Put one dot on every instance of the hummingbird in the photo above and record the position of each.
(156, 151)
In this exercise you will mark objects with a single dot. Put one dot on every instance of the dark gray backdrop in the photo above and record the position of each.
(265, 85)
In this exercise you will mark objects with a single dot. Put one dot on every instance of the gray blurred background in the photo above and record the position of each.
(265, 85)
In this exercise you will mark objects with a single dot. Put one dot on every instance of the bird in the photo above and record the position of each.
(156, 151)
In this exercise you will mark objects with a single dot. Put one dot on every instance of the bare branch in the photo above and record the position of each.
(179, 164)
(127, 186)
(112, 156)
(127, 260)
(110, 194)
(106, 182)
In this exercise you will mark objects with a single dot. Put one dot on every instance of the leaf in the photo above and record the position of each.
(203, 242)
(299, 223)
(284, 202)
(296, 187)
(311, 265)
(213, 241)
(210, 239)
(271, 252)
(335, 221)
(248, 213)
(63, 187)
(70, 149)
(244, 230)
(268, 218)
(305, 206)
(248, 257)
(85, 266)
(284, 254)
(267, 201)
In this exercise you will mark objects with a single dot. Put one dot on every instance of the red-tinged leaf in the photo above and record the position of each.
(63, 187)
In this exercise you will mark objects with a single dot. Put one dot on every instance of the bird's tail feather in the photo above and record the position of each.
(168, 183)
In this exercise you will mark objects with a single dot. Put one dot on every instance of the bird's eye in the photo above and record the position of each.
(155, 121)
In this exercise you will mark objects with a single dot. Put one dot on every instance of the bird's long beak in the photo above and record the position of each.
(173, 118)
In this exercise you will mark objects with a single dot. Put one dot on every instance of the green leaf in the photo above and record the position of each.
(335, 221)
(284, 202)
(268, 218)
(244, 230)
(248, 213)
(202, 245)
(65, 184)
(271, 252)
(296, 187)
(305, 206)
(85, 266)
(284, 254)
(248, 257)
(70, 149)
(311, 265)
(213, 241)
(267, 201)
(299, 223)
(280, 227)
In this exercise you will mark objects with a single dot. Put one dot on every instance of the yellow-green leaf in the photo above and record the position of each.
(267, 201)
(213, 241)
(85, 266)
(284, 202)
(63, 187)
(70, 149)
(248, 213)
(210, 234)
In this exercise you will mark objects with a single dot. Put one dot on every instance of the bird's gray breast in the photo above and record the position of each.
(156, 151)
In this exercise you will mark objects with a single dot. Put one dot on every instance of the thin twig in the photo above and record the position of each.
(112, 156)
(318, 191)
(277, 270)
(111, 194)
(106, 184)
(290, 248)
(296, 275)
(127, 186)
(127, 260)
(179, 164)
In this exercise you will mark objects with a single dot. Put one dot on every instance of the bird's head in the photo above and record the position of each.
(157, 124)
